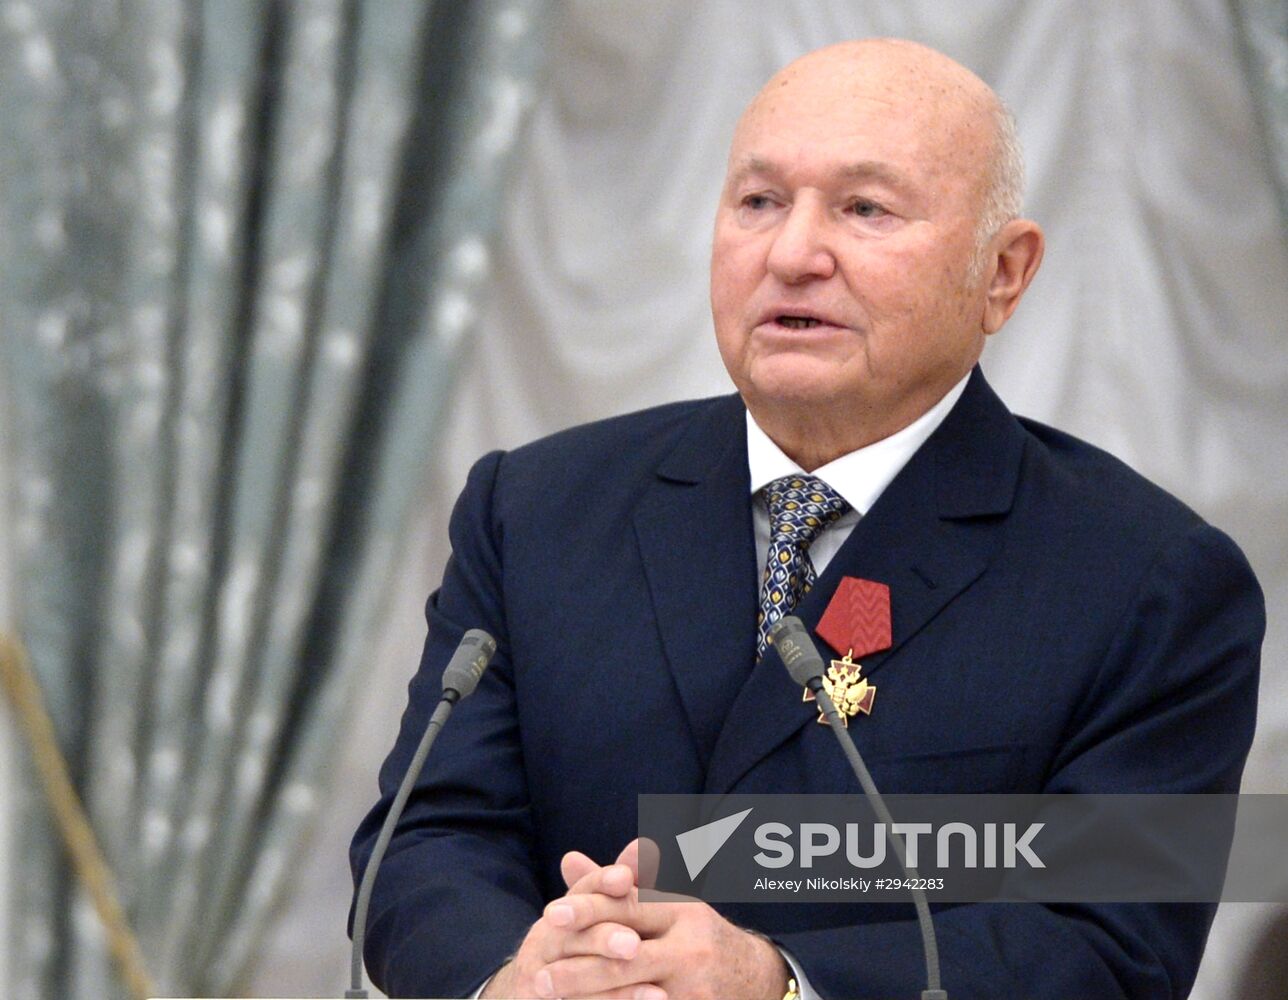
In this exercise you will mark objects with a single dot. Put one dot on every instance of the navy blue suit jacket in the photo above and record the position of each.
(1059, 625)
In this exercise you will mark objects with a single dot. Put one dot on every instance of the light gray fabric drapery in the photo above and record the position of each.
(241, 247)
(1263, 27)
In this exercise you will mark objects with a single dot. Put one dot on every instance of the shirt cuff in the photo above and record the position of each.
(802, 981)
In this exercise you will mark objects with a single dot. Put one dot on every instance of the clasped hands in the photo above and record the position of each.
(601, 941)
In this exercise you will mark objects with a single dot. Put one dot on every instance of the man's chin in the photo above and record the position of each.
(796, 385)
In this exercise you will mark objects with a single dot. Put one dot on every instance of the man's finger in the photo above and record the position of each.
(642, 856)
(577, 911)
(630, 857)
(648, 856)
(638, 991)
(593, 976)
(575, 866)
(611, 880)
(606, 939)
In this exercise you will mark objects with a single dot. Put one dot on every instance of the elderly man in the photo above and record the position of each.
(1058, 624)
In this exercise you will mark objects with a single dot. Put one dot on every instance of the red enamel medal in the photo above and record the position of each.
(856, 623)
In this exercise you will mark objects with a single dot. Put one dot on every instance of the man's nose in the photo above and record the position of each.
(802, 246)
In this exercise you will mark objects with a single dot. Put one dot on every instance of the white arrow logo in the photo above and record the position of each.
(699, 845)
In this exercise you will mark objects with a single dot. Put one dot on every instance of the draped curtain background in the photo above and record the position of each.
(1155, 134)
(241, 244)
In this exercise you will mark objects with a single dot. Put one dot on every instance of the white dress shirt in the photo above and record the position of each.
(860, 477)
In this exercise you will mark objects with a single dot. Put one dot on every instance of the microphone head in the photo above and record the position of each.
(468, 662)
(791, 640)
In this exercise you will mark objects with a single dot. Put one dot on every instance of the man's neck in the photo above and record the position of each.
(813, 437)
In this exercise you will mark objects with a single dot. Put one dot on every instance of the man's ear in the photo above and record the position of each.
(1016, 252)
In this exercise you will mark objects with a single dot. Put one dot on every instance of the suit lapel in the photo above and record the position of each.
(695, 537)
(929, 536)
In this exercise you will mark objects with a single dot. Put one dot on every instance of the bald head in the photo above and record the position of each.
(956, 116)
(891, 67)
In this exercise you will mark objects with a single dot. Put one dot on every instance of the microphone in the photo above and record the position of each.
(795, 648)
(467, 664)
(461, 677)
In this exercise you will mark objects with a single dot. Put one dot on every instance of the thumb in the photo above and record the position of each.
(575, 866)
(642, 856)
(648, 856)
(630, 857)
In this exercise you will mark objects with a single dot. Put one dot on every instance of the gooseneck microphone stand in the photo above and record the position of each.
(795, 648)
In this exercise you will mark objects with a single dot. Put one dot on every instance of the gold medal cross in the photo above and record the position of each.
(848, 689)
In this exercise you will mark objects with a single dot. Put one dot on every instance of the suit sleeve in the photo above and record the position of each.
(1171, 709)
(457, 890)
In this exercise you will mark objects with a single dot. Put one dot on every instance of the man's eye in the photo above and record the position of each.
(756, 202)
(867, 209)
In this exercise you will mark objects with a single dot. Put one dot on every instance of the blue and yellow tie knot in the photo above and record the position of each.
(800, 509)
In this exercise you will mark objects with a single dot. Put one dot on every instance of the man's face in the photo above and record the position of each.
(841, 266)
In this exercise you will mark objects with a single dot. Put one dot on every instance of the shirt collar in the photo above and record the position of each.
(861, 476)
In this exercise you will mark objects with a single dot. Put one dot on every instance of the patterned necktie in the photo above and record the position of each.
(800, 507)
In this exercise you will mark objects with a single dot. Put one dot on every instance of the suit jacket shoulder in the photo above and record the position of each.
(1104, 490)
(619, 449)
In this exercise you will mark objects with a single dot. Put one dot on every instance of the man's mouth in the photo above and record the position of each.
(798, 322)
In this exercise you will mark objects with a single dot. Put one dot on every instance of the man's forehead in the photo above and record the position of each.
(751, 164)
